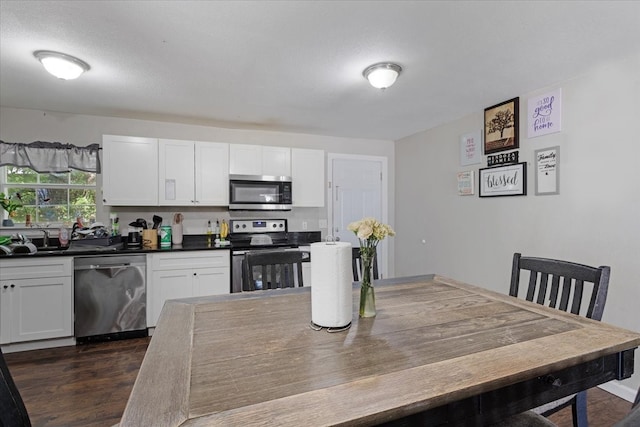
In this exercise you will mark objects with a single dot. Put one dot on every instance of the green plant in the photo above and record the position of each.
(10, 205)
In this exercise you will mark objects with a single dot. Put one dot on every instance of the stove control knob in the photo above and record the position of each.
(274, 225)
(281, 225)
(236, 226)
(244, 225)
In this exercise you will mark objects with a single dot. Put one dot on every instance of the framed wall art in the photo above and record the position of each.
(544, 114)
(501, 124)
(508, 180)
(471, 148)
(465, 183)
(547, 171)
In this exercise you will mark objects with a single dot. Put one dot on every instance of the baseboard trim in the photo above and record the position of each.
(622, 391)
(38, 345)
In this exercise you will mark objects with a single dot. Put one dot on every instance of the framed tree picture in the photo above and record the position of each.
(501, 124)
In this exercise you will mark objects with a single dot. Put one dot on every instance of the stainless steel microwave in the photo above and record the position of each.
(259, 193)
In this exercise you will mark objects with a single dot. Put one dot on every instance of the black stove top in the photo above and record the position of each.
(243, 232)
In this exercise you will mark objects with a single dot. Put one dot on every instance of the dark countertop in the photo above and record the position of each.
(189, 243)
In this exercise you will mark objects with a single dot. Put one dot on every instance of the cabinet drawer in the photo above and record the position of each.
(189, 259)
(33, 268)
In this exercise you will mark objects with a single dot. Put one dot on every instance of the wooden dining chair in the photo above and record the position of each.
(12, 410)
(356, 265)
(563, 285)
(272, 270)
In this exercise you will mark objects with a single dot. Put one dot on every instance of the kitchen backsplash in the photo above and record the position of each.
(195, 218)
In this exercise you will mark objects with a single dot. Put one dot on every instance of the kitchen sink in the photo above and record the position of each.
(51, 249)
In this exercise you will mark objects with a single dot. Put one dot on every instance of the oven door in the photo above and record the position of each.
(260, 193)
(237, 256)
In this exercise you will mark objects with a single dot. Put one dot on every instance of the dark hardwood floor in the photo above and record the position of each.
(88, 385)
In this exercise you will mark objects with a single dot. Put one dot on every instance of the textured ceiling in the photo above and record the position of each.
(296, 65)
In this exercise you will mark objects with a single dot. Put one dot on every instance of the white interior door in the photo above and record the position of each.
(357, 191)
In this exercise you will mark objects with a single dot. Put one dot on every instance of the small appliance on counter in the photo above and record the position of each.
(134, 237)
(134, 234)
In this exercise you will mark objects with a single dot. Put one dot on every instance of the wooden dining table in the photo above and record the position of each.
(439, 351)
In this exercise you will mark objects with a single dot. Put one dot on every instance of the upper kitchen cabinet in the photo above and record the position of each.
(259, 160)
(193, 173)
(130, 171)
(307, 175)
(276, 161)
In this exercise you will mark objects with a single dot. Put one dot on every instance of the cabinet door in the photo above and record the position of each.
(175, 172)
(41, 309)
(307, 177)
(5, 312)
(211, 281)
(130, 171)
(212, 173)
(306, 273)
(168, 284)
(245, 159)
(276, 161)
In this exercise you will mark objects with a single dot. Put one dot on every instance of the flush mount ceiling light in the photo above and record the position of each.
(382, 75)
(61, 65)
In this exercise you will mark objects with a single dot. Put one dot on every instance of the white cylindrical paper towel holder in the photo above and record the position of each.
(331, 284)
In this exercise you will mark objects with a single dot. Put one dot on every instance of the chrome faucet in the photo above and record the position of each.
(45, 240)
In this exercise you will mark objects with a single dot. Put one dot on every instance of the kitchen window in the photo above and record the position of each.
(50, 197)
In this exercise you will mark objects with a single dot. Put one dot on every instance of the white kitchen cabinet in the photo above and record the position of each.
(193, 173)
(129, 171)
(36, 299)
(245, 159)
(306, 273)
(185, 274)
(276, 161)
(259, 160)
(212, 173)
(307, 177)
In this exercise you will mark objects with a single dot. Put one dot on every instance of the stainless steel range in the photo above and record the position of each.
(255, 235)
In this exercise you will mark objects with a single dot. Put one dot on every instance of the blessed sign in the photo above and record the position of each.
(504, 181)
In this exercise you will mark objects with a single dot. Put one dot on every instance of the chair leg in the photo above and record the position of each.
(579, 410)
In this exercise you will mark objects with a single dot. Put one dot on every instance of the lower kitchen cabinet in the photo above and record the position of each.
(36, 299)
(183, 275)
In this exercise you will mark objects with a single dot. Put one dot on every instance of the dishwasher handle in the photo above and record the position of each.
(106, 266)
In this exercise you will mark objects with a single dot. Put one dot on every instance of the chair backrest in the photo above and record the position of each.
(632, 419)
(356, 265)
(562, 284)
(272, 269)
(12, 409)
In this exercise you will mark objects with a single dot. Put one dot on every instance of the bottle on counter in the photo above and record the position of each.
(209, 233)
(63, 236)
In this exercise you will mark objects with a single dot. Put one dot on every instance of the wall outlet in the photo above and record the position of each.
(304, 225)
(322, 223)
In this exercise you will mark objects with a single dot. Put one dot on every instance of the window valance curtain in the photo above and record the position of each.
(50, 157)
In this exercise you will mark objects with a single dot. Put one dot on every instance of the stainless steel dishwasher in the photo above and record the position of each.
(110, 297)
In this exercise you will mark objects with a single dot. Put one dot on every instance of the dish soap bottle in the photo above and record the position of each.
(209, 232)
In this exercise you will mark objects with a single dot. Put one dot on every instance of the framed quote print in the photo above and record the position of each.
(510, 180)
(547, 171)
(501, 124)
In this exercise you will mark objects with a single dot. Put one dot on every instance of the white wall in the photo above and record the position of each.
(18, 125)
(594, 220)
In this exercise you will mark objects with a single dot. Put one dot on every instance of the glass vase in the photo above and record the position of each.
(367, 294)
